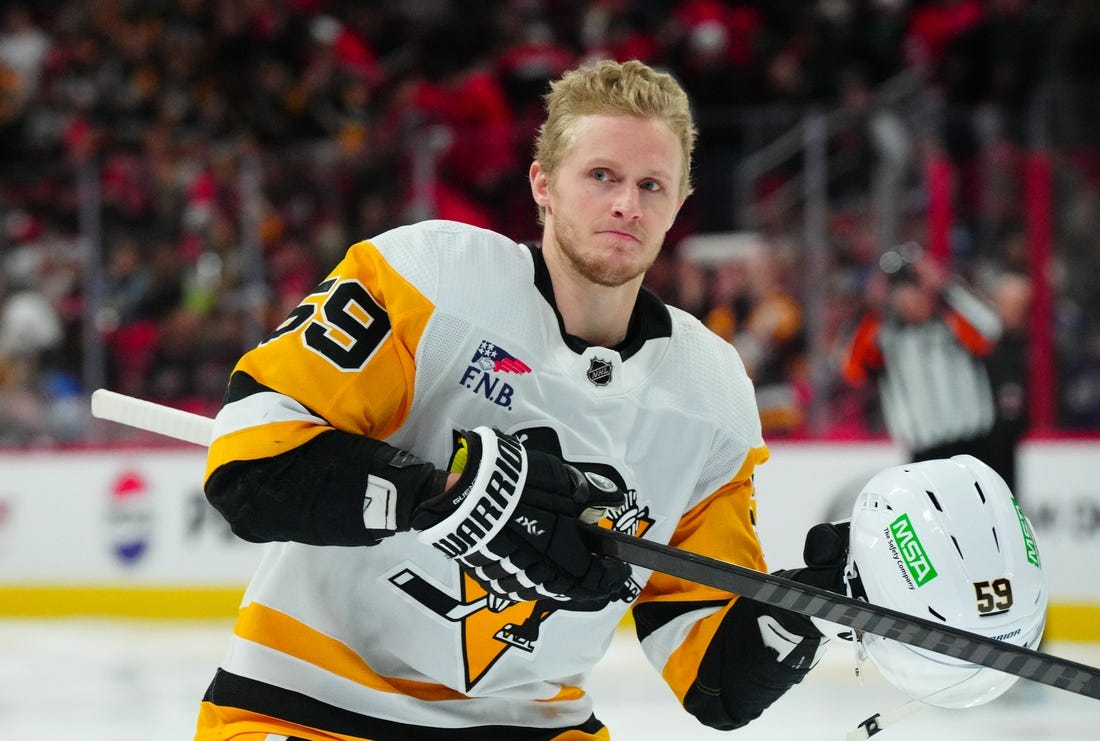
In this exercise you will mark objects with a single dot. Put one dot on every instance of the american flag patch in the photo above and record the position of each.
(490, 357)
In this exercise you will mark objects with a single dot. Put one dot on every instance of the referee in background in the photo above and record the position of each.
(924, 342)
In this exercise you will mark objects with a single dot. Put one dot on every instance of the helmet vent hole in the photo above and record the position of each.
(996, 540)
(957, 548)
(937, 615)
(935, 502)
(980, 492)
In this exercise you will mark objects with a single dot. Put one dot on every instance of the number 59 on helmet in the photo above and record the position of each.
(946, 540)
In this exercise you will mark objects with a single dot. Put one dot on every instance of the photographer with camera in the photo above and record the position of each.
(923, 342)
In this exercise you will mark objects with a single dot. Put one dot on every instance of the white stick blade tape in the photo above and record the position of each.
(146, 415)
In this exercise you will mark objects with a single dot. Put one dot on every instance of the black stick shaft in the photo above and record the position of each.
(807, 600)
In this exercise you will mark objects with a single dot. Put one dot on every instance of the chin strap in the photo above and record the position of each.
(878, 722)
(881, 721)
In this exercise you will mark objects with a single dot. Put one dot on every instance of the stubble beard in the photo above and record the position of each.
(598, 270)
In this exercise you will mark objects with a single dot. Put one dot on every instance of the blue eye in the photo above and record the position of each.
(651, 185)
(601, 175)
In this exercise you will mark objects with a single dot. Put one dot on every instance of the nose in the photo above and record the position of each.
(627, 203)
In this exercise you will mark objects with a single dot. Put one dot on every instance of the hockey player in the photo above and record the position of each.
(420, 437)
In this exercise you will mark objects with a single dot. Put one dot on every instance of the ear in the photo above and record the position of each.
(540, 184)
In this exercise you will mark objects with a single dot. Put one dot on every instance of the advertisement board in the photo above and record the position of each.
(129, 531)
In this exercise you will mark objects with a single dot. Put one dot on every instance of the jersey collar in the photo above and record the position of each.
(649, 320)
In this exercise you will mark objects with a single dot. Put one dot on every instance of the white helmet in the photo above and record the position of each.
(945, 540)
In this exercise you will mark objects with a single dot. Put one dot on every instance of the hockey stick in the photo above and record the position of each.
(145, 415)
(836, 608)
(766, 588)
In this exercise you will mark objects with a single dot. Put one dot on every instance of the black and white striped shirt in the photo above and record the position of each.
(932, 382)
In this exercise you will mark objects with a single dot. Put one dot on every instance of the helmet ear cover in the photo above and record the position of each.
(946, 540)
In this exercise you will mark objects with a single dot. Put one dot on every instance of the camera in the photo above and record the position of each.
(899, 263)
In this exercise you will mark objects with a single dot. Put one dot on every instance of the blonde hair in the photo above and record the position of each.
(608, 87)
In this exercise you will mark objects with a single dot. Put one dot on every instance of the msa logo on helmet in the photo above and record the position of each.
(1029, 540)
(911, 552)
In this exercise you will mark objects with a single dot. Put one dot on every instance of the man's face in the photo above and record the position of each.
(912, 303)
(613, 197)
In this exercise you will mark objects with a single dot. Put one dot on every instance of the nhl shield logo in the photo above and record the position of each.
(599, 372)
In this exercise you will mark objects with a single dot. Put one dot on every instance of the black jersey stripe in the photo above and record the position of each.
(652, 616)
(232, 690)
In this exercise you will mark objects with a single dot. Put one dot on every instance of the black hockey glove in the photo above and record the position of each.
(761, 651)
(825, 554)
(512, 520)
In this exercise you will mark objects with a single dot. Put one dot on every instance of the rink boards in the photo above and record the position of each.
(128, 532)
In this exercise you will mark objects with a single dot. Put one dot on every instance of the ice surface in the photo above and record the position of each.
(122, 680)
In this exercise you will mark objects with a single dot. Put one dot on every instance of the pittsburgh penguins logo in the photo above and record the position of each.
(491, 625)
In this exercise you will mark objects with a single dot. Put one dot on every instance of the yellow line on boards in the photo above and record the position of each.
(1073, 622)
(136, 601)
(1065, 621)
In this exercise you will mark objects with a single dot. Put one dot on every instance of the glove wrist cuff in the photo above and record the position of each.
(483, 505)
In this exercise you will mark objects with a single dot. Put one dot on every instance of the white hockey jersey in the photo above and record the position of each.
(420, 332)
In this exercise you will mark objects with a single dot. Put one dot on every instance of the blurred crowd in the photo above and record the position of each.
(176, 174)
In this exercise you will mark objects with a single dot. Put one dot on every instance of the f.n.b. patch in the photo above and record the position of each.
(483, 373)
(492, 357)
